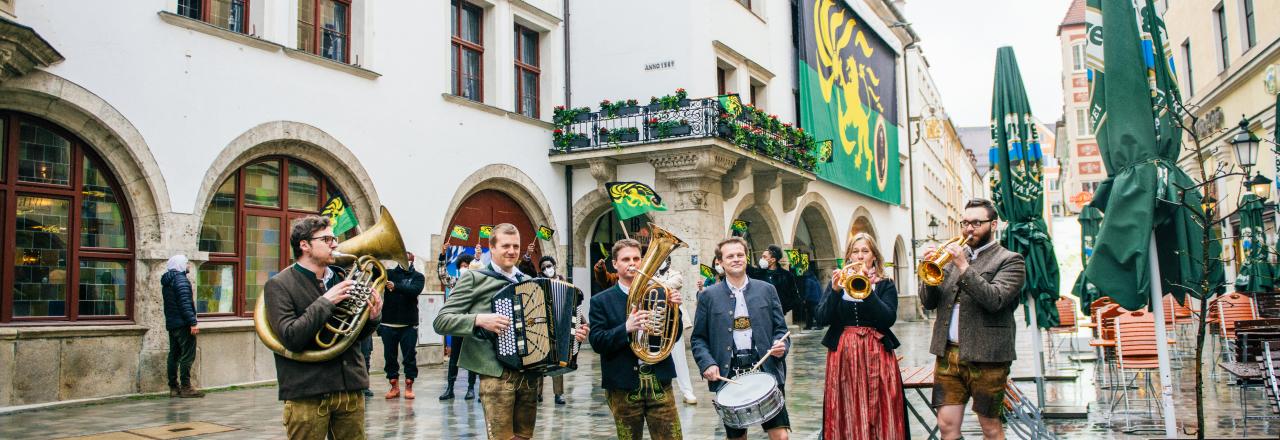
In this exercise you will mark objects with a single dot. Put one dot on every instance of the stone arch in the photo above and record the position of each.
(815, 212)
(298, 140)
(113, 137)
(748, 210)
(862, 221)
(586, 211)
(512, 182)
(901, 262)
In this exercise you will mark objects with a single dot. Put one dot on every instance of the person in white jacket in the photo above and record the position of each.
(673, 280)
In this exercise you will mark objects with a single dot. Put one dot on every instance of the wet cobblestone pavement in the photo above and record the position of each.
(256, 414)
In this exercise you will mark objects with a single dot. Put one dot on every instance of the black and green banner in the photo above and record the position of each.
(848, 94)
(633, 198)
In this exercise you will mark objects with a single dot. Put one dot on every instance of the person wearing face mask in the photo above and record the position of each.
(463, 263)
(547, 269)
(974, 343)
(770, 270)
(399, 329)
(863, 397)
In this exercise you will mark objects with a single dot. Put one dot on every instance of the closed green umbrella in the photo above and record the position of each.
(1141, 197)
(1149, 243)
(1255, 271)
(1017, 189)
(1090, 218)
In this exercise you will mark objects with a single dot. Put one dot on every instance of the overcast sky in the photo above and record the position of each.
(960, 38)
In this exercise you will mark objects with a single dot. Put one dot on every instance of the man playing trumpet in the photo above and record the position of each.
(634, 390)
(974, 342)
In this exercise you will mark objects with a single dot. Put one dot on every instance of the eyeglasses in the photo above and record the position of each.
(328, 239)
(974, 223)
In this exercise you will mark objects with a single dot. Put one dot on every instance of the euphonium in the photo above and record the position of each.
(382, 241)
(857, 285)
(930, 271)
(653, 342)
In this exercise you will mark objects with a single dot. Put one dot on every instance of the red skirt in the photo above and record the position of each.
(863, 397)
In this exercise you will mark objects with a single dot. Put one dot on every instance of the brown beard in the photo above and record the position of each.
(980, 241)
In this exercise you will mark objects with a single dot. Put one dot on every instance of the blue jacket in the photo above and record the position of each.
(812, 288)
(712, 340)
(179, 306)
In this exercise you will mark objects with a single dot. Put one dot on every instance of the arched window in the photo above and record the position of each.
(246, 230)
(68, 252)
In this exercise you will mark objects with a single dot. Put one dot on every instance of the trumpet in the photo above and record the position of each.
(853, 281)
(930, 271)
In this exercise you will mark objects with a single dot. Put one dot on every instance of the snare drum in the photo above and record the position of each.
(753, 400)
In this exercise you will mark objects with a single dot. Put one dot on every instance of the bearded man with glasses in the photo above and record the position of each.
(974, 344)
(320, 398)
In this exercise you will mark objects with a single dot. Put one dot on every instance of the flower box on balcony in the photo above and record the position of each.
(657, 132)
(582, 117)
(628, 110)
(579, 142)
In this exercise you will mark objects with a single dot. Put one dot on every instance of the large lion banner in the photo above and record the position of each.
(848, 94)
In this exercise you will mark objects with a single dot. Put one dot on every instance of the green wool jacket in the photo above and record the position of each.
(472, 295)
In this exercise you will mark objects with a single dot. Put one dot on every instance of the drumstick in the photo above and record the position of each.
(762, 359)
(729, 380)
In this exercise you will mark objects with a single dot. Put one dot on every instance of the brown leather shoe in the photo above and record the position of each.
(173, 391)
(395, 389)
(408, 389)
(190, 392)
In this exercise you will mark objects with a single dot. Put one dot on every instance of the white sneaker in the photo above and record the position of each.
(690, 399)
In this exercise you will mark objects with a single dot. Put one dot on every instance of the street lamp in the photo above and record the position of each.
(1261, 186)
(1245, 145)
(933, 228)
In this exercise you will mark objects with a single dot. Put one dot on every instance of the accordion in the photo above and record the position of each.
(543, 314)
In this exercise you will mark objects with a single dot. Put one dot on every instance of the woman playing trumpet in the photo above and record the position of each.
(863, 398)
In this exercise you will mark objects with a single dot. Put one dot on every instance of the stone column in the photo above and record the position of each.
(690, 182)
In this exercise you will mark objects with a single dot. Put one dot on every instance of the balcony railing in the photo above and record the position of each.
(620, 126)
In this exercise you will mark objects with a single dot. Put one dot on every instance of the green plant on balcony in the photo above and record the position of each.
(562, 116)
(617, 135)
(610, 109)
(565, 140)
(669, 102)
(661, 129)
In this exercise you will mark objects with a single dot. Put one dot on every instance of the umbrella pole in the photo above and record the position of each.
(1162, 344)
(1038, 347)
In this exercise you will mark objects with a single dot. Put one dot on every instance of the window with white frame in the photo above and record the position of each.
(1077, 57)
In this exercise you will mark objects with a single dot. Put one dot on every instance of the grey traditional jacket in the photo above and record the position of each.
(712, 340)
(988, 295)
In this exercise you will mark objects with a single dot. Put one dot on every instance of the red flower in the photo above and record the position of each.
(603, 130)
(558, 131)
(680, 90)
(605, 102)
(653, 120)
(559, 107)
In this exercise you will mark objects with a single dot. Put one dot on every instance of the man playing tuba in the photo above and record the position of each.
(634, 390)
(320, 398)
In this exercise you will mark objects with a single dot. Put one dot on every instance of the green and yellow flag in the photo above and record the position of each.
(341, 217)
(731, 104)
(545, 233)
(460, 232)
(800, 265)
(486, 231)
(633, 198)
(708, 275)
(740, 227)
(849, 93)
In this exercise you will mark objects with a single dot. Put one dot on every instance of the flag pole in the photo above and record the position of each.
(624, 229)
(1162, 342)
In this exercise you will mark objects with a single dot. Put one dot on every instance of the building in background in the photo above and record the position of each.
(1227, 58)
(206, 127)
(1084, 170)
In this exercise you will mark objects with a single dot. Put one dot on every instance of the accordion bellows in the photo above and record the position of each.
(543, 314)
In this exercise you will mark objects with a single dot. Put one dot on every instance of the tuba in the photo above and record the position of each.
(654, 340)
(857, 285)
(930, 271)
(362, 252)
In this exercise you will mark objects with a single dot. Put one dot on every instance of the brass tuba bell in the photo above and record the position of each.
(363, 252)
(653, 342)
(930, 271)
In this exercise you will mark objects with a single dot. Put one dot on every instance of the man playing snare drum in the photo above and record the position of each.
(635, 391)
(739, 321)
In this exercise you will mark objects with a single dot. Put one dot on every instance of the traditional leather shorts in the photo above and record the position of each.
(955, 381)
